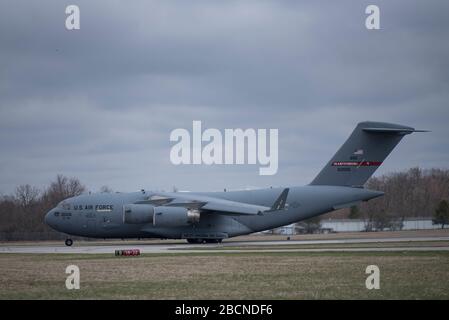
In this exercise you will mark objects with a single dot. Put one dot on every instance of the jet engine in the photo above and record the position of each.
(138, 213)
(161, 216)
(175, 216)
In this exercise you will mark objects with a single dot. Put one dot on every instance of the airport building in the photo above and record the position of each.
(359, 225)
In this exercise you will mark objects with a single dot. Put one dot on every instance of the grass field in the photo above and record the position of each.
(405, 275)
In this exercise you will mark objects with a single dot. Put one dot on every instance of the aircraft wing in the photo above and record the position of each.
(213, 204)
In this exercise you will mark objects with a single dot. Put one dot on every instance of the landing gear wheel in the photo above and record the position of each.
(197, 241)
(211, 240)
(68, 242)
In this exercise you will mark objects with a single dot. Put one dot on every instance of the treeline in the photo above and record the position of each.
(414, 193)
(22, 213)
(409, 194)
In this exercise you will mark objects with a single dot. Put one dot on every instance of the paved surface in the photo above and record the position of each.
(257, 245)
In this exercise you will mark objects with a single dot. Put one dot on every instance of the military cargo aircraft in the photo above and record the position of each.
(201, 217)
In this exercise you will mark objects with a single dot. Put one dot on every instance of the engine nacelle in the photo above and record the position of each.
(175, 216)
(138, 213)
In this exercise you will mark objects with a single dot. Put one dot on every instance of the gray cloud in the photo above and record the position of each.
(99, 103)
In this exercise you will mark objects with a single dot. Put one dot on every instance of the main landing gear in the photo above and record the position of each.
(204, 241)
(68, 242)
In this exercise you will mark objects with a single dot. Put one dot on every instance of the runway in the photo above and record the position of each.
(347, 245)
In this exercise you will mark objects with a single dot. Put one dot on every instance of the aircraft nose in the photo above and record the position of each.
(49, 218)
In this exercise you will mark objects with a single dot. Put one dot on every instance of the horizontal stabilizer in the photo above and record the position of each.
(393, 130)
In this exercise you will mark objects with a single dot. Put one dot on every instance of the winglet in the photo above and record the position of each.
(279, 204)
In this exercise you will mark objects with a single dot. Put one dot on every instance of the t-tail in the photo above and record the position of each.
(360, 156)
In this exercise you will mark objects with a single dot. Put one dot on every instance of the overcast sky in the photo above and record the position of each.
(99, 103)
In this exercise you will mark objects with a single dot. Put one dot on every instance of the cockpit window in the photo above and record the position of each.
(64, 205)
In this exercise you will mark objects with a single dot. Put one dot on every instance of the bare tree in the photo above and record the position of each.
(63, 188)
(27, 195)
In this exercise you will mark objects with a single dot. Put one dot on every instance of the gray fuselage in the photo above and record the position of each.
(101, 215)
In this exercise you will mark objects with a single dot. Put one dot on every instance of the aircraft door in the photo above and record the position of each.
(90, 222)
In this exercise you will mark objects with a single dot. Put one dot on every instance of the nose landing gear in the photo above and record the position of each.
(68, 242)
